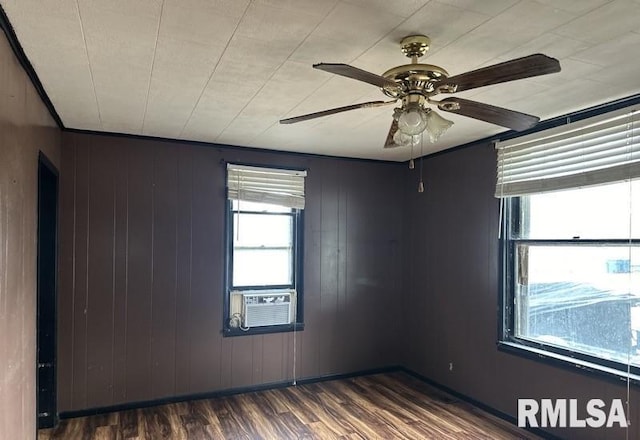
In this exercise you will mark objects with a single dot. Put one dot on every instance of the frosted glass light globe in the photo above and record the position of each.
(436, 126)
(412, 121)
(404, 140)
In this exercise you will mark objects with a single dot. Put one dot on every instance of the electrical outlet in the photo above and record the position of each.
(450, 366)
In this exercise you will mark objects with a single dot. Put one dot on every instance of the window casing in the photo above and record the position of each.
(571, 262)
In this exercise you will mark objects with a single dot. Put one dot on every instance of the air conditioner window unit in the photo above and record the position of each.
(260, 308)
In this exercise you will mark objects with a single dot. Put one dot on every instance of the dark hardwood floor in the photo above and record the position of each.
(383, 406)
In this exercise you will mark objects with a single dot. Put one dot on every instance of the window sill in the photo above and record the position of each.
(568, 362)
(228, 332)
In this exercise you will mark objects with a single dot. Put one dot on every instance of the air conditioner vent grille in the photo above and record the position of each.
(267, 309)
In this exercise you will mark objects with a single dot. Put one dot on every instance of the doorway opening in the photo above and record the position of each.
(47, 292)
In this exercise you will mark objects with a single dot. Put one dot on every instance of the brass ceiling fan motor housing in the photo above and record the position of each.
(414, 78)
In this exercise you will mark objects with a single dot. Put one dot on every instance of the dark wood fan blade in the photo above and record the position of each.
(355, 73)
(334, 111)
(520, 68)
(488, 113)
(389, 143)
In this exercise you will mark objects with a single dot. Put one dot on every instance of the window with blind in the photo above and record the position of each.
(571, 243)
(264, 249)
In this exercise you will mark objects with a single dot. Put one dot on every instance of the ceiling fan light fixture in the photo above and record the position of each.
(436, 126)
(412, 120)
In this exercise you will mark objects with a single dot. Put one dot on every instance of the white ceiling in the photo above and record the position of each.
(226, 71)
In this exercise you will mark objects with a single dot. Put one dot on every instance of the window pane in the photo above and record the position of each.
(581, 298)
(257, 207)
(262, 267)
(600, 212)
(256, 230)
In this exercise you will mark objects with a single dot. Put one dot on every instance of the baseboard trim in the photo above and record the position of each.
(222, 393)
(489, 409)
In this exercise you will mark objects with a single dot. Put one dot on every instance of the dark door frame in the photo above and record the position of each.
(47, 285)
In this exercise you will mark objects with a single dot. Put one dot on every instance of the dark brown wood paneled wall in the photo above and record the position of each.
(452, 272)
(141, 274)
(26, 128)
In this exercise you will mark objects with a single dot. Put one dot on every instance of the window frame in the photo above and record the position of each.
(537, 350)
(297, 216)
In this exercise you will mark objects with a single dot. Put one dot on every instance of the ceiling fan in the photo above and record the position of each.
(415, 84)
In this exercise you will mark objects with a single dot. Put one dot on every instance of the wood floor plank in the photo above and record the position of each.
(297, 403)
(232, 423)
(314, 399)
(203, 410)
(384, 406)
(129, 424)
(276, 401)
(105, 433)
(332, 415)
(368, 403)
(213, 432)
(265, 418)
(341, 407)
(322, 431)
(300, 430)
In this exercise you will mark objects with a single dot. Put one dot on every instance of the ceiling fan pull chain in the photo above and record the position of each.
(411, 163)
(421, 183)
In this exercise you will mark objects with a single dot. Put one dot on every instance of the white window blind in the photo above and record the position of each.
(605, 148)
(266, 185)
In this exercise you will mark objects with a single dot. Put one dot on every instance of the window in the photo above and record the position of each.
(263, 245)
(264, 250)
(571, 245)
(574, 275)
